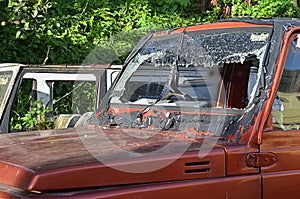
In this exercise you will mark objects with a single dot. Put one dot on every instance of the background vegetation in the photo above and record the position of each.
(56, 32)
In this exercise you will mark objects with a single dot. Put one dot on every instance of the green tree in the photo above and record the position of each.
(256, 8)
(56, 32)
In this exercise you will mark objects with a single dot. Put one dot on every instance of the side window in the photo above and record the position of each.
(286, 106)
(73, 97)
(52, 101)
(5, 78)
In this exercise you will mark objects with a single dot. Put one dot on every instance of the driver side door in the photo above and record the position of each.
(282, 139)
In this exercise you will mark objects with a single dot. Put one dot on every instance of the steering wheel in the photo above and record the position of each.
(179, 96)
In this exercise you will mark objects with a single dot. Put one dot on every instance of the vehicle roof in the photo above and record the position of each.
(61, 66)
(10, 64)
(232, 23)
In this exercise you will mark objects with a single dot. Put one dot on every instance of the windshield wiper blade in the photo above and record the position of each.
(174, 74)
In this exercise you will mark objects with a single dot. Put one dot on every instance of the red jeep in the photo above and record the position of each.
(204, 111)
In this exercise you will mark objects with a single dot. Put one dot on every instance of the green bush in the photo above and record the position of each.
(264, 8)
(35, 119)
(56, 32)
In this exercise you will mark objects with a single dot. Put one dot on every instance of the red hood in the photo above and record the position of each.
(80, 158)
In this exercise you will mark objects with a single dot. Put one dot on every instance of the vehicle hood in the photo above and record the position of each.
(96, 157)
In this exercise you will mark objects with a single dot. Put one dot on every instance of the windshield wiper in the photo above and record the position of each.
(172, 88)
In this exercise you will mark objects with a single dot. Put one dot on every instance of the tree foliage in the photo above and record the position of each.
(263, 8)
(49, 31)
(55, 32)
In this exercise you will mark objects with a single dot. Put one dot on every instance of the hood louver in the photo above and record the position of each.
(197, 167)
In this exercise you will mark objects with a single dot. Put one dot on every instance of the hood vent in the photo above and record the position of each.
(197, 167)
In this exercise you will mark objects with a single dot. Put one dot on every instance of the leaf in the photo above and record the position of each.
(19, 32)
(26, 26)
(35, 13)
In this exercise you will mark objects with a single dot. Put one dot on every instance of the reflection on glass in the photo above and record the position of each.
(5, 78)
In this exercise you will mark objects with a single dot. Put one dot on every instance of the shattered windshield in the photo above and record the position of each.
(196, 78)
